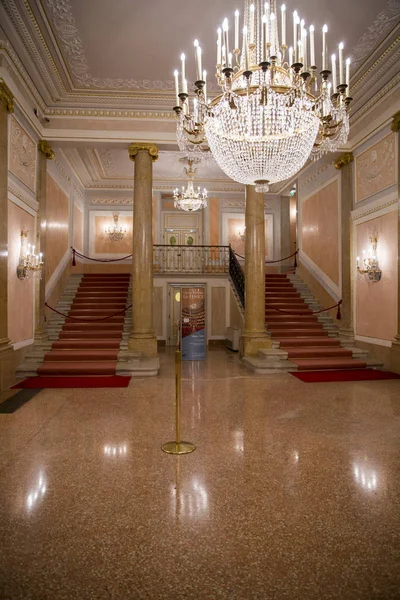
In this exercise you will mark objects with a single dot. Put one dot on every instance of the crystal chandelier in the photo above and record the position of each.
(29, 263)
(190, 200)
(115, 232)
(275, 111)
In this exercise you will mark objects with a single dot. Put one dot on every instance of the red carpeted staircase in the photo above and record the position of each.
(85, 347)
(299, 332)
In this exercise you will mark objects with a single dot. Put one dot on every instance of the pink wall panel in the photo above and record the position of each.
(20, 291)
(320, 230)
(57, 218)
(376, 303)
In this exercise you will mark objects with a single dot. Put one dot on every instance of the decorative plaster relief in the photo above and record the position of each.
(118, 201)
(22, 155)
(375, 168)
(380, 28)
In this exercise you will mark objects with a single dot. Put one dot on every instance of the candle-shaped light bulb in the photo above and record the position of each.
(230, 60)
(33, 249)
(205, 86)
(283, 25)
(219, 46)
(324, 62)
(251, 23)
(312, 47)
(341, 72)
(274, 50)
(264, 38)
(184, 86)
(236, 30)
(299, 48)
(246, 49)
(334, 81)
(295, 23)
(183, 73)
(290, 59)
(176, 76)
(348, 62)
(305, 58)
(225, 27)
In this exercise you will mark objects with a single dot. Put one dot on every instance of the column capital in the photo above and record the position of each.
(45, 148)
(344, 159)
(6, 96)
(395, 126)
(135, 147)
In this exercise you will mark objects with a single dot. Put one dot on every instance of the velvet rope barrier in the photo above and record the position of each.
(315, 312)
(102, 260)
(88, 320)
(271, 262)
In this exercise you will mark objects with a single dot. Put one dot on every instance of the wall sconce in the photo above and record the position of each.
(115, 232)
(29, 263)
(242, 234)
(371, 264)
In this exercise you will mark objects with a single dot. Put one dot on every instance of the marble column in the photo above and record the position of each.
(254, 336)
(6, 349)
(45, 153)
(395, 350)
(143, 338)
(345, 163)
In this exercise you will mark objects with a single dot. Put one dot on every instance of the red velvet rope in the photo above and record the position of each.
(270, 262)
(103, 260)
(89, 320)
(316, 312)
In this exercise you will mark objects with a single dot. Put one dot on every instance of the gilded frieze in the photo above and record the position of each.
(22, 155)
(375, 168)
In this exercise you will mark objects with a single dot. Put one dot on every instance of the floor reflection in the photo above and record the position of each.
(35, 496)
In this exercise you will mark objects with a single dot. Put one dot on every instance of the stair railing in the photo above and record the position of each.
(237, 275)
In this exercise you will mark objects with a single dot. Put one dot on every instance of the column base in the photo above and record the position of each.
(395, 355)
(251, 342)
(145, 343)
(40, 336)
(7, 367)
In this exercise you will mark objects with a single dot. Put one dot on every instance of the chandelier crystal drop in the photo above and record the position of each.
(115, 232)
(276, 109)
(190, 200)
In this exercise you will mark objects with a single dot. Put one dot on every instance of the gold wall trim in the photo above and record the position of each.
(6, 96)
(45, 148)
(344, 159)
(135, 147)
(395, 126)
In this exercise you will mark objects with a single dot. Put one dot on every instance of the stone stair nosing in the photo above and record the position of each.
(35, 357)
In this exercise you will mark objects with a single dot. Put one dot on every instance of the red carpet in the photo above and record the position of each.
(345, 375)
(73, 382)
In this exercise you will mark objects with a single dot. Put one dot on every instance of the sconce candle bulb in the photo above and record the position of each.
(371, 264)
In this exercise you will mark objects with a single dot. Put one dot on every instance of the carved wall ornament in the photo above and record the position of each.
(118, 201)
(6, 96)
(395, 126)
(344, 159)
(134, 148)
(45, 148)
(22, 155)
(375, 168)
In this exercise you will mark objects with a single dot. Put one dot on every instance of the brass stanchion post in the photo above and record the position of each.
(178, 447)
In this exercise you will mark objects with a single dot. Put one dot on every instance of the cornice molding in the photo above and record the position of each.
(369, 210)
(344, 159)
(112, 200)
(18, 193)
(6, 47)
(6, 96)
(99, 113)
(375, 99)
(137, 147)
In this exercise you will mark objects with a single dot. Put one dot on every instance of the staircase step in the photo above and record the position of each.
(318, 352)
(113, 326)
(90, 334)
(88, 355)
(78, 368)
(295, 325)
(288, 342)
(278, 317)
(313, 364)
(110, 304)
(274, 299)
(100, 294)
(86, 344)
(281, 333)
(96, 312)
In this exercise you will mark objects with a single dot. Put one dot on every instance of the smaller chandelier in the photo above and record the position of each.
(29, 263)
(115, 232)
(371, 264)
(190, 200)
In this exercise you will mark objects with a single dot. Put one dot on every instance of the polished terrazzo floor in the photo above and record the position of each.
(293, 491)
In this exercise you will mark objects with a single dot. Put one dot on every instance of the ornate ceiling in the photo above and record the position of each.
(99, 73)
